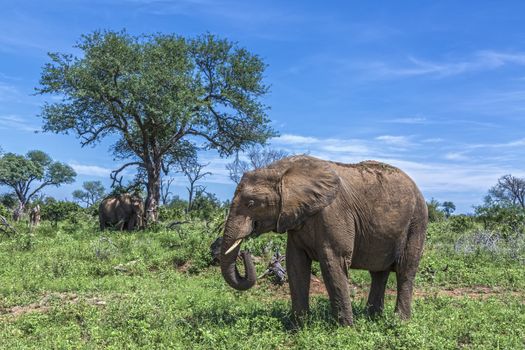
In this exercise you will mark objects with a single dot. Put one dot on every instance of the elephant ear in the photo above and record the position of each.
(307, 186)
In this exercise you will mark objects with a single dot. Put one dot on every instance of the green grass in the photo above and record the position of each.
(156, 290)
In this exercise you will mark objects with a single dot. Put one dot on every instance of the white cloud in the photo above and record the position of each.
(479, 61)
(457, 177)
(510, 144)
(304, 144)
(409, 120)
(456, 156)
(91, 170)
(433, 140)
(7, 91)
(447, 177)
(399, 141)
(15, 122)
(290, 139)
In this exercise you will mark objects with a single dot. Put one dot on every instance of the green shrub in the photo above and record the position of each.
(4, 211)
(461, 223)
(508, 220)
(56, 211)
(434, 213)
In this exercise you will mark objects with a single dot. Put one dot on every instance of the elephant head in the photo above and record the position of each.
(138, 217)
(277, 198)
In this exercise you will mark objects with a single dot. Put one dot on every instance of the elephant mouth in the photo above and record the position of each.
(255, 232)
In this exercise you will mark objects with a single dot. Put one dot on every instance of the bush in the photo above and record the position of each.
(508, 220)
(8, 200)
(434, 213)
(56, 211)
(175, 210)
(206, 206)
(4, 211)
(461, 223)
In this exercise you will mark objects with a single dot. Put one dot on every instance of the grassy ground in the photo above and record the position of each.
(74, 287)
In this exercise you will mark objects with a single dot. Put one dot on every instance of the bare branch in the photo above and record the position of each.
(114, 174)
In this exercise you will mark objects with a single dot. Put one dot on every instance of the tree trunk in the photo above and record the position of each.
(190, 198)
(153, 196)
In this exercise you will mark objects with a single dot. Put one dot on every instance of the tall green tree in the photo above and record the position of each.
(448, 208)
(434, 213)
(509, 191)
(91, 192)
(28, 175)
(161, 96)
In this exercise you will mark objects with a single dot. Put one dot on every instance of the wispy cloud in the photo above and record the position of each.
(479, 61)
(296, 139)
(438, 121)
(7, 91)
(399, 141)
(457, 173)
(511, 144)
(409, 120)
(456, 156)
(493, 102)
(304, 144)
(15, 122)
(236, 13)
(91, 170)
(433, 140)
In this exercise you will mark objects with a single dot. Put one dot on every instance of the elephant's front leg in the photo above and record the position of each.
(299, 267)
(335, 275)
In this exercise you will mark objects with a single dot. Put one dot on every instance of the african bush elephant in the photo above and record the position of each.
(368, 216)
(34, 216)
(125, 211)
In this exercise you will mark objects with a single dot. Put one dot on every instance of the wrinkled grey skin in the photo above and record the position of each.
(125, 211)
(366, 216)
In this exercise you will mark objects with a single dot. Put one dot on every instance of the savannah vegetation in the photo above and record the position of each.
(66, 284)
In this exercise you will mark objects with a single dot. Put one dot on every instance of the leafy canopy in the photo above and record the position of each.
(91, 192)
(27, 175)
(163, 96)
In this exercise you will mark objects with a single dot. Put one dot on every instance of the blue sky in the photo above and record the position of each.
(434, 87)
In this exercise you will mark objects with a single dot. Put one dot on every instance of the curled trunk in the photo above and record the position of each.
(229, 269)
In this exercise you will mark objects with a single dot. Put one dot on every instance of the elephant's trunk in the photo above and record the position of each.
(230, 251)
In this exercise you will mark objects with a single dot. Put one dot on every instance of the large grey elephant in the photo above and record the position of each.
(125, 211)
(367, 216)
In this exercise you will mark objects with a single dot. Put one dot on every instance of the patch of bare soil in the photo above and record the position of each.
(184, 268)
(317, 287)
(477, 292)
(46, 302)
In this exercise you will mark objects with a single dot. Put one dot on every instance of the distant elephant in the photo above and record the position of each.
(125, 211)
(367, 216)
(34, 216)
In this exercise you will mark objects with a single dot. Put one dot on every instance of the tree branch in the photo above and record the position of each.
(114, 173)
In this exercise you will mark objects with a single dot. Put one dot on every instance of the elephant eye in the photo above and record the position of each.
(251, 203)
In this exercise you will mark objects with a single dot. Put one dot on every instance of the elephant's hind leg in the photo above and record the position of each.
(376, 297)
(406, 268)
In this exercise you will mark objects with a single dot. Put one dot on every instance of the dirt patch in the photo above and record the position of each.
(184, 268)
(477, 292)
(317, 287)
(46, 302)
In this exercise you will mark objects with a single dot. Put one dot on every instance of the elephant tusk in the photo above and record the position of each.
(234, 245)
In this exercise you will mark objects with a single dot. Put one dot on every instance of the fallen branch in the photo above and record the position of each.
(6, 228)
